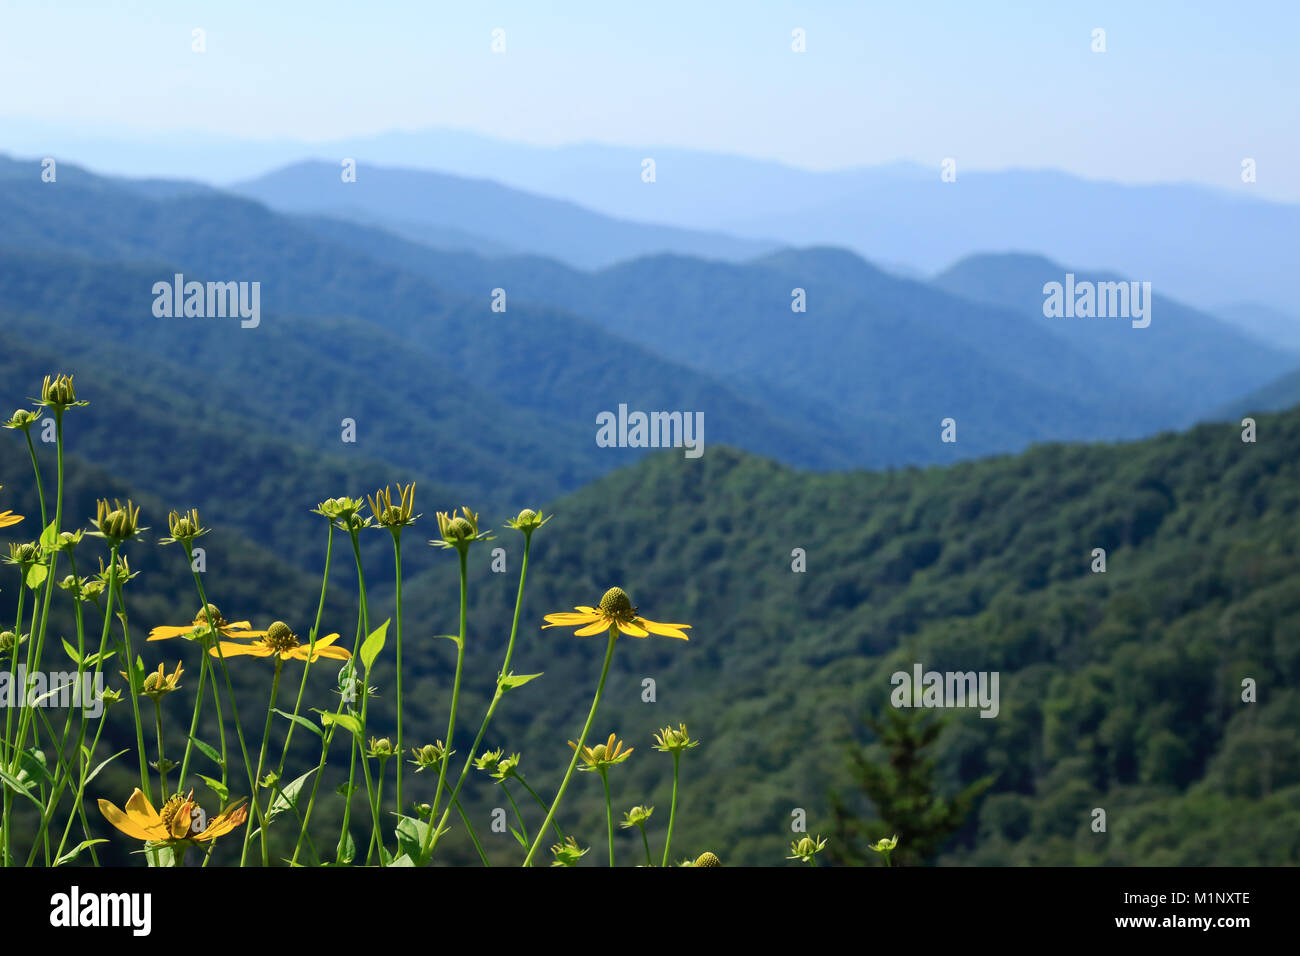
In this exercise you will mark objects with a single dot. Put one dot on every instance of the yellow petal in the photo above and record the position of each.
(666, 630)
(8, 518)
(632, 629)
(569, 619)
(223, 824)
(180, 826)
(238, 650)
(163, 633)
(123, 822)
(141, 810)
(598, 628)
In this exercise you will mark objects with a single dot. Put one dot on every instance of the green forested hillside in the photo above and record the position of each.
(1119, 690)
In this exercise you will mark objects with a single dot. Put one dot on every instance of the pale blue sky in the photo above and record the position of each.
(1183, 93)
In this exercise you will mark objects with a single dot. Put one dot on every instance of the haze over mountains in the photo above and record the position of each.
(1193, 243)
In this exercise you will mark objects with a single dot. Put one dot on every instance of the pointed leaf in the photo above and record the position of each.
(373, 645)
(300, 720)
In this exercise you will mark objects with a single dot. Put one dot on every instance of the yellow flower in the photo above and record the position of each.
(394, 517)
(200, 627)
(279, 639)
(603, 756)
(8, 518)
(159, 684)
(615, 610)
(180, 820)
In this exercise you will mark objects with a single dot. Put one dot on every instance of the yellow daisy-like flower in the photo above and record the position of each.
(279, 639)
(603, 756)
(8, 518)
(200, 627)
(615, 610)
(180, 819)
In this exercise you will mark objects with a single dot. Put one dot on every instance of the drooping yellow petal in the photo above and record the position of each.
(166, 632)
(665, 630)
(569, 619)
(632, 630)
(598, 628)
(8, 518)
(229, 649)
(223, 824)
(123, 822)
(333, 653)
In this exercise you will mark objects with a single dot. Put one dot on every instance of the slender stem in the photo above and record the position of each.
(646, 840)
(135, 696)
(261, 761)
(672, 810)
(609, 815)
(194, 722)
(582, 739)
(541, 803)
(455, 702)
(496, 699)
(523, 827)
(397, 559)
(315, 632)
(311, 801)
(158, 726)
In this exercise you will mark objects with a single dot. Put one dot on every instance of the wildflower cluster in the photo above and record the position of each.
(252, 797)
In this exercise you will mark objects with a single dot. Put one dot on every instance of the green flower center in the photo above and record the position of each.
(617, 605)
(210, 611)
(280, 637)
(708, 859)
(459, 528)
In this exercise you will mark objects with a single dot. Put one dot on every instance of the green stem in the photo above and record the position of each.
(541, 803)
(315, 632)
(496, 699)
(523, 827)
(135, 696)
(261, 764)
(582, 739)
(455, 702)
(672, 810)
(326, 737)
(646, 840)
(397, 559)
(609, 815)
(158, 726)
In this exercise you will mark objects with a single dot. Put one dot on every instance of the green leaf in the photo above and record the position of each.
(347, 850)
(373, 645)
(95, 773)
(520, 837)
(32, 766)
(411, 834)
(76, 851)
(287, 797)
(36, 576)
(300, 720)
(207, 751)
(454, 638)
(511, 681)
(22, 786)
(72, 652)
(346, 721)
(402, 860)
(217, 787)
(49, 536)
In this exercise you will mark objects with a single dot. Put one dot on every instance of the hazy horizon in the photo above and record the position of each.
(872, 87)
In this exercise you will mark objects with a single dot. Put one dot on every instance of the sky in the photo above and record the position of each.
(1183, 92)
